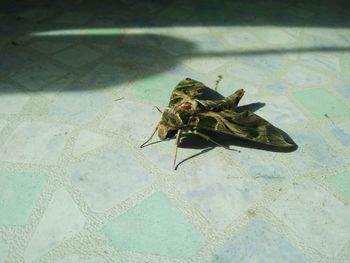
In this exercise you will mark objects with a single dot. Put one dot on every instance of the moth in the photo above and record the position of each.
(188, 112)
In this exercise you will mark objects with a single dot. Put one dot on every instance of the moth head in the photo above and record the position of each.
(168, 125)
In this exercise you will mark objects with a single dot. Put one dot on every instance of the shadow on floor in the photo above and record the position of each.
(193, 141)
(127, 57)
(158, 13)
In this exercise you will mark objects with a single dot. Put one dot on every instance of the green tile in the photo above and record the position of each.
(321, 103)
(155, 227)
(18, 193)
(155, 89)
(341, 183)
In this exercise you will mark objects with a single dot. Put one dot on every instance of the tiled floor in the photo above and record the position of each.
(78, 83)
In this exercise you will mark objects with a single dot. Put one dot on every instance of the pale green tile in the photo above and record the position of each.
(155, 227)
(321, 103)
(154, 89)
(18, 193)
(341, 183)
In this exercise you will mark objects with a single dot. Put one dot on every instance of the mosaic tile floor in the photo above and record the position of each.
(77, 92)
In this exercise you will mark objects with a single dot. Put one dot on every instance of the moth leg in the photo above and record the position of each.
(177, 142)
(155, 107)
(211, 140)
(142, 145)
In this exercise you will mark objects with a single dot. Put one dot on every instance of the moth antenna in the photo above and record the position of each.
(217, 82)
(150, 138)
(119, 99)
(155, 107)
(178, 137)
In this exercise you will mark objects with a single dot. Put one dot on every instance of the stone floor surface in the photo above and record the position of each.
(78, 82)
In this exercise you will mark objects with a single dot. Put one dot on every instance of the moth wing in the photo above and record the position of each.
(246, 125)
(187, 89)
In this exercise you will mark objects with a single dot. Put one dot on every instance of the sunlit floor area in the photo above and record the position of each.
(79, 82)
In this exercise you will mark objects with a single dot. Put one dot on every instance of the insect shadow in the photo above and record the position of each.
(192, 141)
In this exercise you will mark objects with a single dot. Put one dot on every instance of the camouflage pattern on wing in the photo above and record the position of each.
(228, 103)
(187, 90)
(246, 125)
(186, 104)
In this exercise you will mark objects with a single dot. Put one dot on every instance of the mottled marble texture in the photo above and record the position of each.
(34, 76)
(265, 167)
(109, 178)
(35, 142)
(15, 60)
(205, 65)
(341, 183)
(258, 242)
(13, 100)
(80, 259)
(139, 124)
(155, 89)
(278, 110)
(2, 124)
(267, 63)
(49, 46)
(107, 75)
(78, 83)
(314, 153)
(316, 216)
(3, 251)
(241, 39)
(77, 56)
(302, 76)
(154, 226)
(88, 141)
(79, 106)
(222, 195)
(322, 61)
(342, 133)
(321, 103)
(246, 73)
(341, 85)
(18, 194)
(275, 36)
(205, 43)
(61, 220)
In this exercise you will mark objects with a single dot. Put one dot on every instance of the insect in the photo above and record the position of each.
(187, 112)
